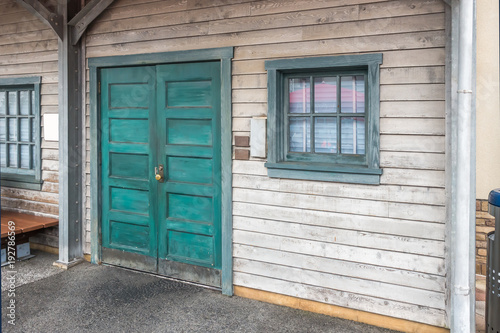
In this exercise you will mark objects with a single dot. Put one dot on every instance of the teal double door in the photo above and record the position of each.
(161, 169)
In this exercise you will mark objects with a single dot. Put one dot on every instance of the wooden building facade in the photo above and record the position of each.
(358, 231)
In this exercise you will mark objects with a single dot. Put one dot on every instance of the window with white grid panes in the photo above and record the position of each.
(323, 118)
(20, 132)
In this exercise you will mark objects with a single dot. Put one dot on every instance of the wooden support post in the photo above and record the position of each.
(70, 143)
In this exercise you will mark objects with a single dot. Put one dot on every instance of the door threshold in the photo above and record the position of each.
(165, 277)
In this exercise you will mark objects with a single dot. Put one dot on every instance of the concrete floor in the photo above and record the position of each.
(31, 270)
(91, 298)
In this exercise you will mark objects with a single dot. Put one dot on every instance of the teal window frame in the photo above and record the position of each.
(18, 177)
(361, 169)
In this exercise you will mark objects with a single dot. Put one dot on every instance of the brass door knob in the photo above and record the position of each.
(159, 173)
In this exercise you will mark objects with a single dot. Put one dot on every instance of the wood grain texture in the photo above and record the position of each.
(329, 234)
(396, 260)
(407, 194)
(347, 284)
(343, 268)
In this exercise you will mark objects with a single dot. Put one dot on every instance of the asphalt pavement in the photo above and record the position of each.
(92, 298)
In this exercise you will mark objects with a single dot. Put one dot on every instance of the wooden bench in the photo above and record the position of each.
(25, 226)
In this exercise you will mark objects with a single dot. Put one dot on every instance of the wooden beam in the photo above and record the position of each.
(70, 143)
(86, 16)
(51, 19)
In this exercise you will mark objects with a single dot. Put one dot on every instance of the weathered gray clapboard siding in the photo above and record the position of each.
(329, 234)
(350, 300)
(424, 213)
(340, 282)
(417, 195)
(344, 244)
(341, 267)
(396, 260)
(28, 48)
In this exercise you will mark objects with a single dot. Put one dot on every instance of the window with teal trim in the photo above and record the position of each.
(20, 132)
(323, 118)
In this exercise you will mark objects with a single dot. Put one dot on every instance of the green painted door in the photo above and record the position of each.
(153, 118)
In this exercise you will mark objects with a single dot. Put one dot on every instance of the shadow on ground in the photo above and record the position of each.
(91, 298)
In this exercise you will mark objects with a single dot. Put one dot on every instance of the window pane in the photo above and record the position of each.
(353, 94)
(13, 156)
(3, 101)
(299, 95)
(33, 130)
(25, 156)
(325, 94)
(24, 104)
(12, 102)
(325, 135)
(3, 155)
(352, 135)
(32, 101)
(12, 129)
(3, 129)
(300, 134)
(24, 127)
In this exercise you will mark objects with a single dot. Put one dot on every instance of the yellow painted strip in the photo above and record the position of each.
(44, 248)
(339, 312)
(86, 257)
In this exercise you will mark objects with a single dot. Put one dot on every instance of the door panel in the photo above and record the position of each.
(128, 192)
(189, 121)
(162, 115)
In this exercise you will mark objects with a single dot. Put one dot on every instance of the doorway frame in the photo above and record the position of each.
(224, 55)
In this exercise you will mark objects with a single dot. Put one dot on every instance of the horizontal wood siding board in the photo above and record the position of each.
(409, 92)
(329, 234)
(311, 17)
(413, 143)
(392, 59)
(397, 260)
(408, 75)
(412, 109)
(330, 296)
(29, 36)
(37, 196)
(416, 40)
(367, 224)
(413, 177)
(27, 58)
(403, 194)
(249, 109)
(424, 213)
(343, 268)
(30, 47)
(347, 284)
(29, 206)
(403, 75)
(411, 160)
(412, 126)
(139, 16)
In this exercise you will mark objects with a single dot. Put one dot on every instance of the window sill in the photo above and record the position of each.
(337, 173)
(30, 183)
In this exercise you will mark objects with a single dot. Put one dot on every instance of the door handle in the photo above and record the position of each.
(159, 173)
